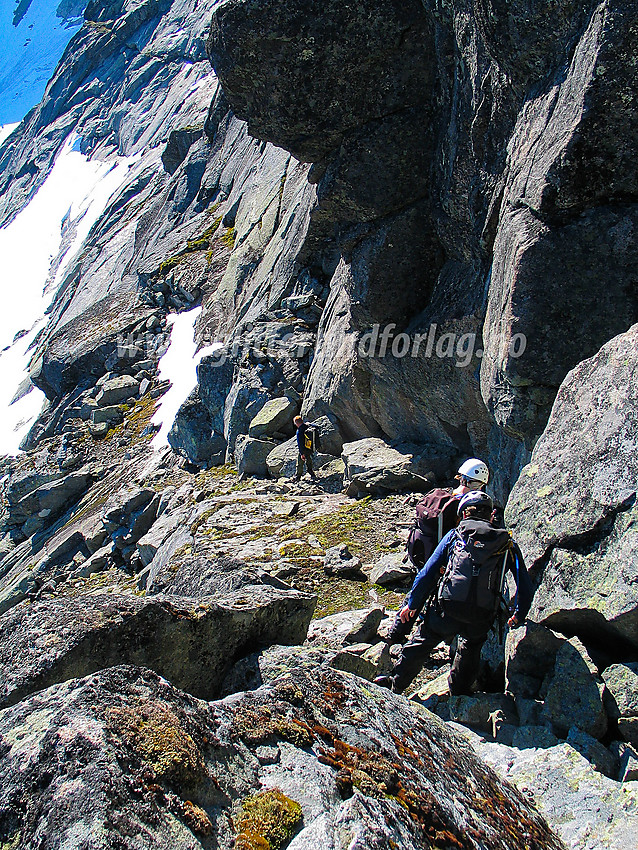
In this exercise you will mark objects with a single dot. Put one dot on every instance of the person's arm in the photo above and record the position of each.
(428, 576)
(300, 440)
(524, 587)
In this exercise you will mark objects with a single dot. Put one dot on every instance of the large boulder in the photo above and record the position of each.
(150, 542)
(373, 467)
(123, 756)
(192, 434)
(530, 651)
(556, 678)
(621, 698)
(573, 693)
(275, 416)
(117, 390)
(192, 643)
(282, 460)
(42, 505)
(391, 569)
(251, 455)
(327, 428)
(573, 509)
(346, 627)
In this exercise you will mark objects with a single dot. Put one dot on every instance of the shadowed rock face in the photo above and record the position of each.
(191, 643)
(304, 74)
(123, 754)
(509, 164)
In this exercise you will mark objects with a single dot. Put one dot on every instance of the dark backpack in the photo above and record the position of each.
(436, 514)
(311, 439)
(470, 589)
(316, 439)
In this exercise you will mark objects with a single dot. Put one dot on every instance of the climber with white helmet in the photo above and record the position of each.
(461, 587)
(436, 514)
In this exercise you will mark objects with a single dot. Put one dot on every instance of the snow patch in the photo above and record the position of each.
(179, 366)
(6, 130)
(17, 417)
(76, 193)
(77, 189)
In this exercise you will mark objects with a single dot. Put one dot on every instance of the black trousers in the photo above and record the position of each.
(435, 627)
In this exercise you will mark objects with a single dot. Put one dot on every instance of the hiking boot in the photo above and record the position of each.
(384, 682)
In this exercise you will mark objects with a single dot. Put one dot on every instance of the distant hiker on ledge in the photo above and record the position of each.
(461, 587)
(306, 446)
(436, 514)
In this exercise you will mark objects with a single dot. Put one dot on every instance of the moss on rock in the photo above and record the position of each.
(157, 736)
(268, 821)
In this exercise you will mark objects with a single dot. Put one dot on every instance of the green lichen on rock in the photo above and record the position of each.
(166, 266)
(202, 242)
(348, 524)
(228, 238)
(268, 821)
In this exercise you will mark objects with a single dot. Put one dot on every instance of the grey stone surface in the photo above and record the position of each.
(622, 690)
(51, 498)
(573, 693)
(478, 710)
(339, 561)
(192, 434)
(374, 467)
(275, 415)
(143, 760)
(165, 525)
(627, 759)
(390, 569)
(117, 390)
(601, 758)
(530, 653)
(112, 415)
(251, 454)
(587, 809)
(190, 642)
(347, 627)
(534, 737)
(580, 489)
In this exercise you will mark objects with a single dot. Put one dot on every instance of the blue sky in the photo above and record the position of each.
(31, 50)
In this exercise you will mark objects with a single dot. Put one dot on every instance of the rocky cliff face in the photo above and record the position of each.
(415, 223)
(447, 188)
(455, 191)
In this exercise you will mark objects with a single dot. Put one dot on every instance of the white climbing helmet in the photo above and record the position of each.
(475, 470)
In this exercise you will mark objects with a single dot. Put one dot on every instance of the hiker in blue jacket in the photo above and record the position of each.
(460, 586)
(305, 445)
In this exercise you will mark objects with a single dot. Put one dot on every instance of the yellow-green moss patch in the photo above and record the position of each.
(228, 238)
(268, 821)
